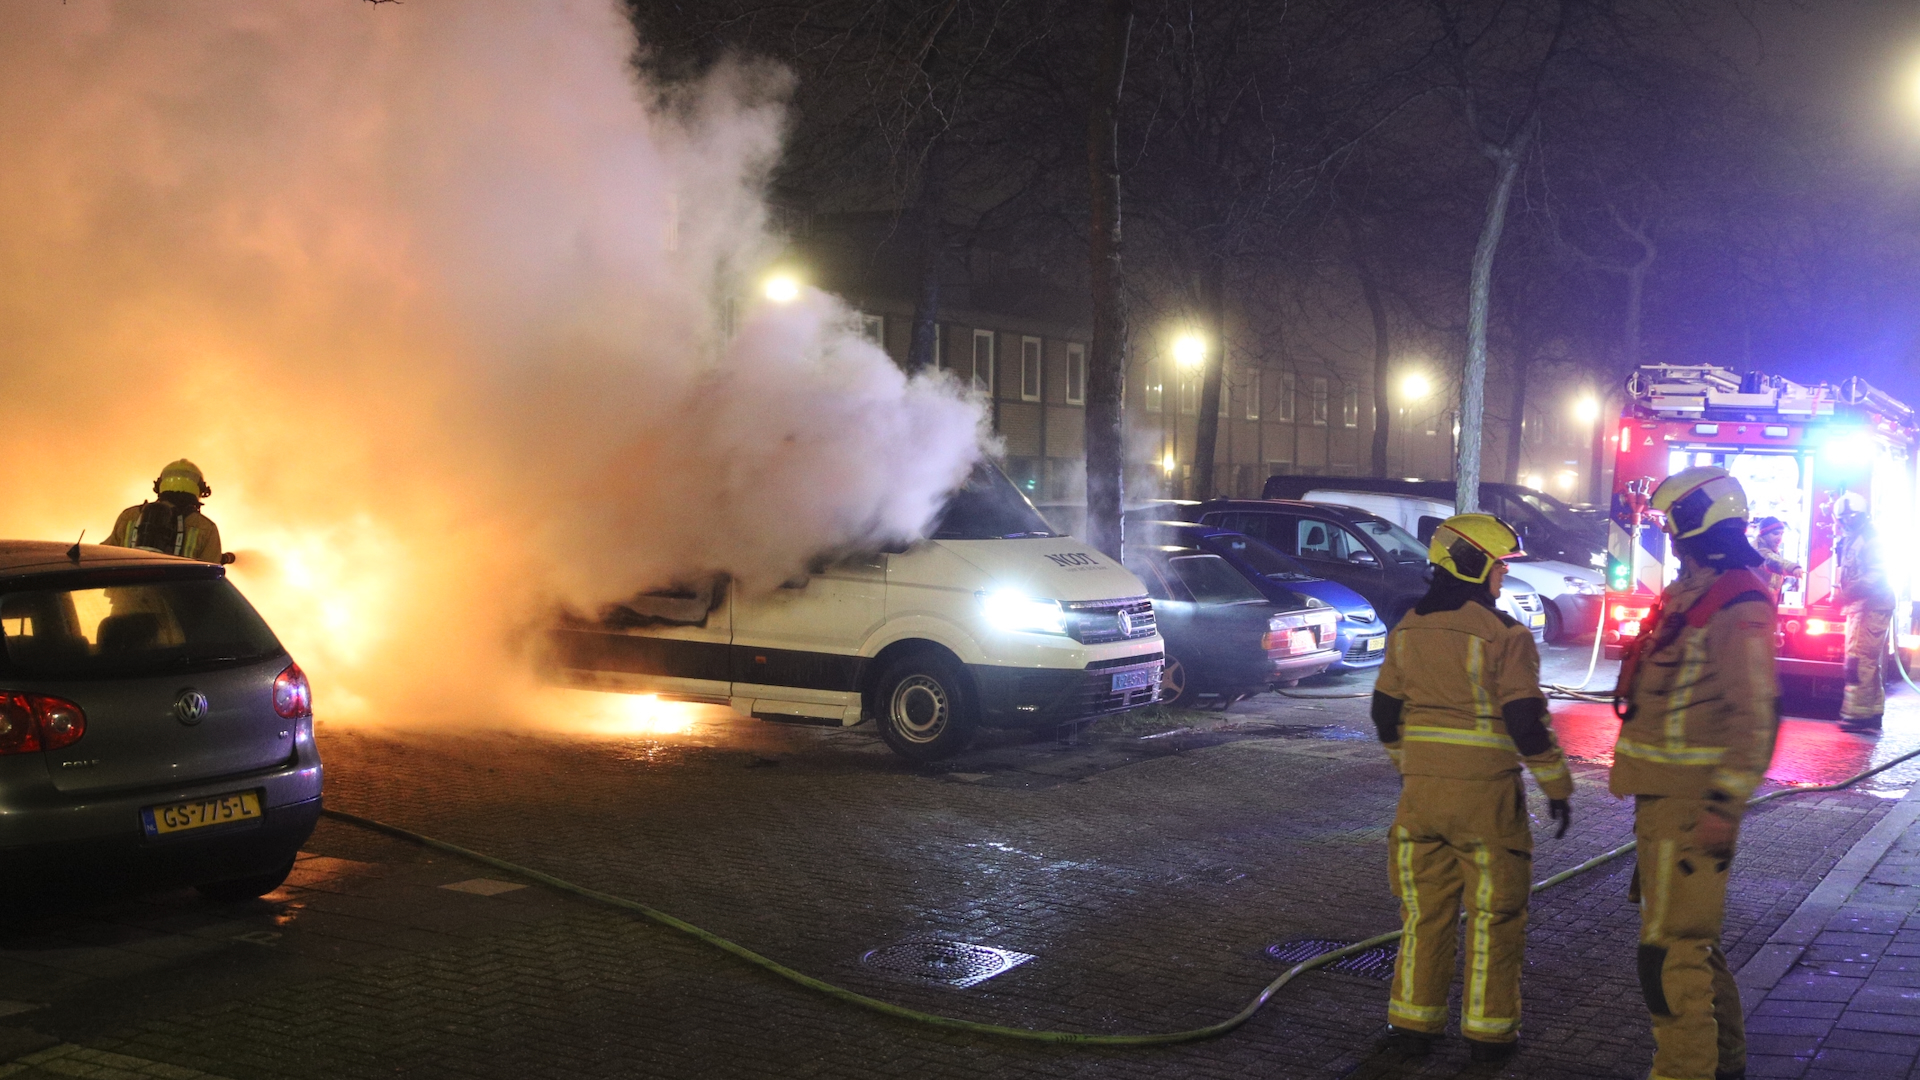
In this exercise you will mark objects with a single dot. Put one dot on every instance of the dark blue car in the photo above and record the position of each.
(1362, 636)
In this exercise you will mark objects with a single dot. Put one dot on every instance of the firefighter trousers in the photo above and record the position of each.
(1866, 693)
(1695, 1006)
(1458, 842)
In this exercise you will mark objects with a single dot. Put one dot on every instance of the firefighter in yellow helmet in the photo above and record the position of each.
(1459, 706)
(172, 523)
(1698, 699)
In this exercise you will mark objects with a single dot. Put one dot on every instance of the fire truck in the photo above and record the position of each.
(1800, 452)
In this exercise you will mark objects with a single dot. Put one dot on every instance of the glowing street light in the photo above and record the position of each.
(782, 289)
(1167, 463)
(1587, 409)
(1189, 350)
(1415, 386)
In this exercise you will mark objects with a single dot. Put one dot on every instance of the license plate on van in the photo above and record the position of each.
(1132, 680)
(200, 813)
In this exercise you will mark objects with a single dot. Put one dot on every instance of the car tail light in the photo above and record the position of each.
(292, 697)
(30, 722)
(1816, 627)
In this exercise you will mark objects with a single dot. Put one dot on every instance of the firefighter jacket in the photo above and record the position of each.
(1862, 574)
(1459, 696)
(196, 536)
(1701, 710)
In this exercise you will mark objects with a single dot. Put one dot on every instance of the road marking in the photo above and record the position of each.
(481, 886)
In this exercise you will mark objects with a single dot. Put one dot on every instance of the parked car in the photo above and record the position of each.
(1549, 527)
(153, 731)
(1362, 637)
(1573, 594)
(1224, 639)
(1365, 552)
(994, 620)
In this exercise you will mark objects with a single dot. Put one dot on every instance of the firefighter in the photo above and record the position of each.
(1459, 706)
(1867, 597)
(1770, 535)
(1698, 700)
(172, 523)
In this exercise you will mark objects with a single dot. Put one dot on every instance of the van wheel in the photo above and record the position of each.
(246, 888)
(1176, 684)
(926, 708)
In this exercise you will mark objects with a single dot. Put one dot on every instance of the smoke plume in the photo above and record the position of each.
(435, 292)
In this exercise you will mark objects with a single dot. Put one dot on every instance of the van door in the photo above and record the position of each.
(672, 641)
(796, 651)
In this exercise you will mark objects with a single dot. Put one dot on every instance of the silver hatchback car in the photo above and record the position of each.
(153, 731)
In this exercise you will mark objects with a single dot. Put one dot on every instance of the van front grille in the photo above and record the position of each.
(1093, 622)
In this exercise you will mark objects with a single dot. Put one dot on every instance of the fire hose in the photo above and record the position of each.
(850, 997)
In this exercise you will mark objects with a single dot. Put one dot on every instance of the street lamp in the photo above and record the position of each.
(782, 288)
(1587, 409)
(1415, 386)
(1189, 350)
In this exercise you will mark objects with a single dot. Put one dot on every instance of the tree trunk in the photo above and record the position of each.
(1473, 377)
(1107, 355)
(1213, 366)
(1382, 354)
(1517, 417)
(921, 349)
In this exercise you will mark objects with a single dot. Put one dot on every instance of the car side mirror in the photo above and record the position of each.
(228, 558)
(1363, 558)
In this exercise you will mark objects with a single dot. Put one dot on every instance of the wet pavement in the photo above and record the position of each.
(1143, 869)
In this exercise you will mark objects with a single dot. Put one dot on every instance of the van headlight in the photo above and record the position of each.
(1013, 611)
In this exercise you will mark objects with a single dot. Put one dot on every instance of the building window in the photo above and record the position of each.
(983, 361)
(874, 328)
(1253, 395)
(1286, 397)
(1319, 402)
(1076, 374)
(939, 347)
(1152, 392)
(1350, 408)
(1029, 369)
(1226, 394)
(1189, 396)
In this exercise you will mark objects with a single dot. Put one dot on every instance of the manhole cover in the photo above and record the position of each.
(955, 963)
(1374, 963)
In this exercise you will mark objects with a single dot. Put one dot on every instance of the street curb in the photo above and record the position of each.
(1783, 950)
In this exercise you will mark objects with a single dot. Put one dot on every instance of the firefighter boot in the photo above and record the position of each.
(1454, 843)
(1697, 1026)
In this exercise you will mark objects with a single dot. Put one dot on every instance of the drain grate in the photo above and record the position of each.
(1374, 963)
(955, 963)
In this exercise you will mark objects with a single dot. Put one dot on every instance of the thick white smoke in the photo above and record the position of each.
(434, 292)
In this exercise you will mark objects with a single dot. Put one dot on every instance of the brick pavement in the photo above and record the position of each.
(1146, 876)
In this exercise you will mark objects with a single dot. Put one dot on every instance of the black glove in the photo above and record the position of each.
(1561, 811)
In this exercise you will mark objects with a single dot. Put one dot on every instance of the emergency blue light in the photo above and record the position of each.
(1850, 448)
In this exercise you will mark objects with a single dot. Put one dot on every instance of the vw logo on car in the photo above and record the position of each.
(190, 706)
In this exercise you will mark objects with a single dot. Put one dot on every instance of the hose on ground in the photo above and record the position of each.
(950, 1023)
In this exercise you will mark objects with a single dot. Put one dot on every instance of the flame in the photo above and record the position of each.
(617, 715)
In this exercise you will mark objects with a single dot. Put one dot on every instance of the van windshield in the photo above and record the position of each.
(989, 507)
(132, 629)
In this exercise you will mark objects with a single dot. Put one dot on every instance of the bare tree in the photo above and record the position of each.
(1107, 357)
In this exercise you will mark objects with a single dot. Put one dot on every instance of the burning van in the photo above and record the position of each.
(994, 620)
(1799, 451)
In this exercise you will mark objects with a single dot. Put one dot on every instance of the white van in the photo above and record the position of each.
(995, 620)
(1573, 594)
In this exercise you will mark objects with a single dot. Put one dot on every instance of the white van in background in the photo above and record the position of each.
(995, 620)
(1574, 595)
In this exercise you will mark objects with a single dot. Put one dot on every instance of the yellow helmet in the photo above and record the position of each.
(1694, 500)
(184, 476)
(1467, 545)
